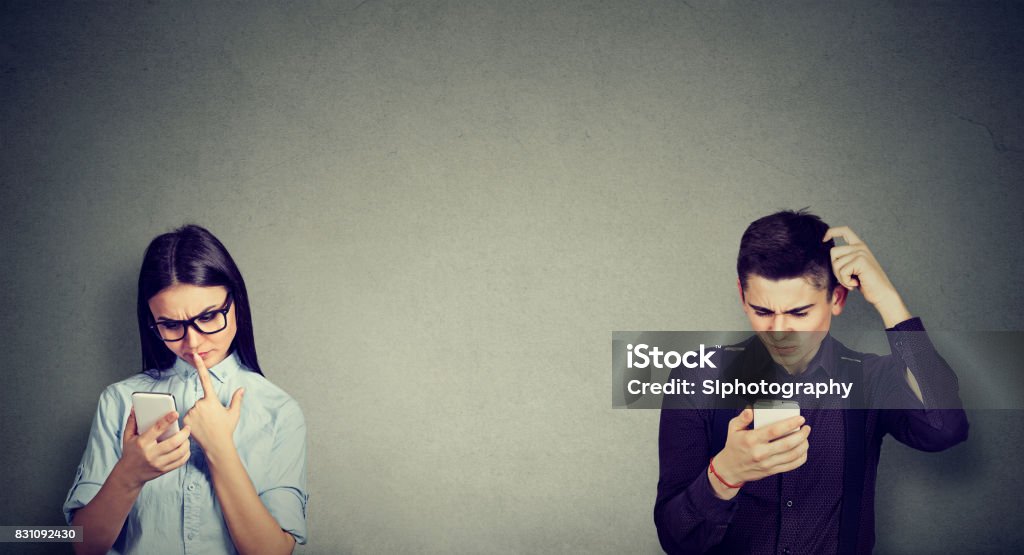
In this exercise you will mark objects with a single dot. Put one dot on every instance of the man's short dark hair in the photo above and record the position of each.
(787, 245)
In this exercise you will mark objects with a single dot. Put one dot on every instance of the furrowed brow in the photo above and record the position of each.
(790, 311)
(201, 312)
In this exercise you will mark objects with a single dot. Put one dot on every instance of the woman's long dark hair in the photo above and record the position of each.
(191, 255)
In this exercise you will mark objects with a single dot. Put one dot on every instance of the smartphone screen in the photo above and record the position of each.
(151, 407)
(768, 412)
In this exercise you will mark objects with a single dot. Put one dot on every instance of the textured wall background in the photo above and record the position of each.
(443, 209)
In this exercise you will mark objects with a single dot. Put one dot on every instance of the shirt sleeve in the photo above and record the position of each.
(687, 513)
(937, 423)
(286, 499)
(102, 452)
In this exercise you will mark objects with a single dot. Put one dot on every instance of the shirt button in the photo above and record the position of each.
(191, 535)
(899, 343)
(191, 487)
(789, 504)
(786, 551)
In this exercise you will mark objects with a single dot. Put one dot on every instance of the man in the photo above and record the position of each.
(727, 488)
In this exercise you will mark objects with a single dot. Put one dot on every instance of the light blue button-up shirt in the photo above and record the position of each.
(178, 512)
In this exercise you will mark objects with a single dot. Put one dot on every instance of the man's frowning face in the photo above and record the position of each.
(790, 316)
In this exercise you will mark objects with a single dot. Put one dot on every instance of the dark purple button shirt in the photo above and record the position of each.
(798, 511)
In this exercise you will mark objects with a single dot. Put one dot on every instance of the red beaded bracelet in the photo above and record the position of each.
(712, 467)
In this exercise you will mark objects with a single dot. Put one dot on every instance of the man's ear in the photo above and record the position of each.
(839, 299)
(739, 287)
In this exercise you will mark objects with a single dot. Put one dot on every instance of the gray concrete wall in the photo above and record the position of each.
(442, 210)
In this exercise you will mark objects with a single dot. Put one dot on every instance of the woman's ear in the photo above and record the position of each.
(739, 287)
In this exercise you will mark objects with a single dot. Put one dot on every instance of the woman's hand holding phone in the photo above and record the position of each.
(144, 458)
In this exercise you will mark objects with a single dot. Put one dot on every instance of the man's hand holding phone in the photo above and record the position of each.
(144, 458)
(750, 455)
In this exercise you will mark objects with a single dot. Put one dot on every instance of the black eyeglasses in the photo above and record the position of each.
(206, 323)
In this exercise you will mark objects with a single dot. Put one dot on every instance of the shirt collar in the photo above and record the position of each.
(825, 357)
(220, 371)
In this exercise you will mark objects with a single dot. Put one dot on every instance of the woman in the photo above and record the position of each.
(233, 479)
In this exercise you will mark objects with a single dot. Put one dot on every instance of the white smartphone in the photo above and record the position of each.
(768, 412)
(150, 407)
